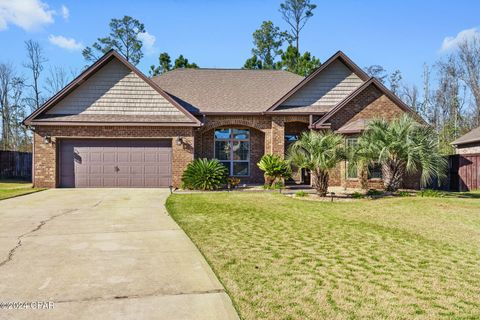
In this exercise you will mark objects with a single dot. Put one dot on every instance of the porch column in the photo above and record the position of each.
(278, 136)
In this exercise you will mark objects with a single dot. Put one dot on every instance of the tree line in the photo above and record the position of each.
(21, 95)
(449, 99)
(450, 102)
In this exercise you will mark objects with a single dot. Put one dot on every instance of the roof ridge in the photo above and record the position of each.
(225, 69)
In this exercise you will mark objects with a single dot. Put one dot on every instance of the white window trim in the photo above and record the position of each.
(231, 140)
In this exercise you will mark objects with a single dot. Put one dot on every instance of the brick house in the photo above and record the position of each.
(114, 127)
(469, 143)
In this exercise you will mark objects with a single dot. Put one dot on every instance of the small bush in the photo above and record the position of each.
(204, 174)
(233, 182)
(301, 194)
(274, 168)
(403, 194)
(431, 193)
(373, 192)
(358, 195)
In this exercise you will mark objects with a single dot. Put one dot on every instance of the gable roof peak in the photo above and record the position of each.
(339, 55)
(380, 86)
(91, 70)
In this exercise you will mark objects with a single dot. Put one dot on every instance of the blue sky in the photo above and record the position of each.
(213, 33)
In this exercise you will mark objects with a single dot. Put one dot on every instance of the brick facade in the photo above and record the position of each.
(267, 136)
(45, 155)
(369, 104)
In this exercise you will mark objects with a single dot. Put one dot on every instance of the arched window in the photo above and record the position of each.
(232, 149)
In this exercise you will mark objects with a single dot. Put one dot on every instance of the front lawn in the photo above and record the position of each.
(284, 258)
(14, 188)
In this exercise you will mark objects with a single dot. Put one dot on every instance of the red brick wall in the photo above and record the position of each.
(45, 155)
(369, 104)
(267, 136)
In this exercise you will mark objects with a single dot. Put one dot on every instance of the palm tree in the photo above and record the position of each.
(318, 152)
(402, 146)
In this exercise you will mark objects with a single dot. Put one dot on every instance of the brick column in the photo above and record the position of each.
(278, 136)
(45, 171)
(182, 155)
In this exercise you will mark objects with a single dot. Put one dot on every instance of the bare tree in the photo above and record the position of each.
(469, 65)
(410, 96)
(296, 13)
(377, 71)
(35, 62)
(449, 100)
(57, 79)
(11, 107)
(394, 81)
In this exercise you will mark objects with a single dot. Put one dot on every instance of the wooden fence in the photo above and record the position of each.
(15, 165)
(464, 171)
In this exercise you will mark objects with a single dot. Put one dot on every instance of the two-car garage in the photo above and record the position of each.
(135, 163)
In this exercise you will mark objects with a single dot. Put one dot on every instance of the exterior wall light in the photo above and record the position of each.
(47, 139)
(179, 141)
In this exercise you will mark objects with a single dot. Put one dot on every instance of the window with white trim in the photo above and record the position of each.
(232, 149)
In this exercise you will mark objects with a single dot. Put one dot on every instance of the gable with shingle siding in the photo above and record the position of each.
(327, 89)
(115, 89)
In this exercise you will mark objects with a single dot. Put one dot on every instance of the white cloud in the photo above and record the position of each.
(148, 41)
(65, 43)
(65, 12)
(29, 15)
(452, 42)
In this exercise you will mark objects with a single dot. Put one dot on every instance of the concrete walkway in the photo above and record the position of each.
(103, 254)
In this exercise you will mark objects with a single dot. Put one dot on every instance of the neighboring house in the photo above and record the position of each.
(469, 143)
(114, 127)
(465, 165)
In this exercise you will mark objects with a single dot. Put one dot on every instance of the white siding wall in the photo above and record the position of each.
(115, 89)
(327, 89)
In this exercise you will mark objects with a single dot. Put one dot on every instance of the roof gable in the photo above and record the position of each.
(112, 90)
(324, 88)
(323, 122)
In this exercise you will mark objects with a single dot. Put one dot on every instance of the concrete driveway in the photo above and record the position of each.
(103, 254)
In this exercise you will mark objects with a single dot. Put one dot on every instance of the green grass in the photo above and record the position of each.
(284, 258)
(15, 188)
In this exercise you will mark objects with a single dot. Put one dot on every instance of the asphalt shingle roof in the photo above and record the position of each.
(227, 90)
(472, 136)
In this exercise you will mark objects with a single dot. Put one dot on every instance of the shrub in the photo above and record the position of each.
(204, 174)
(301, 194)
(403, 194)
(358, 195)
(274, 168)
(431, 193)
(373, 192)
(233, 182)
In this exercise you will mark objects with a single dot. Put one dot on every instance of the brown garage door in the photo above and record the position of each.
(115, 163)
